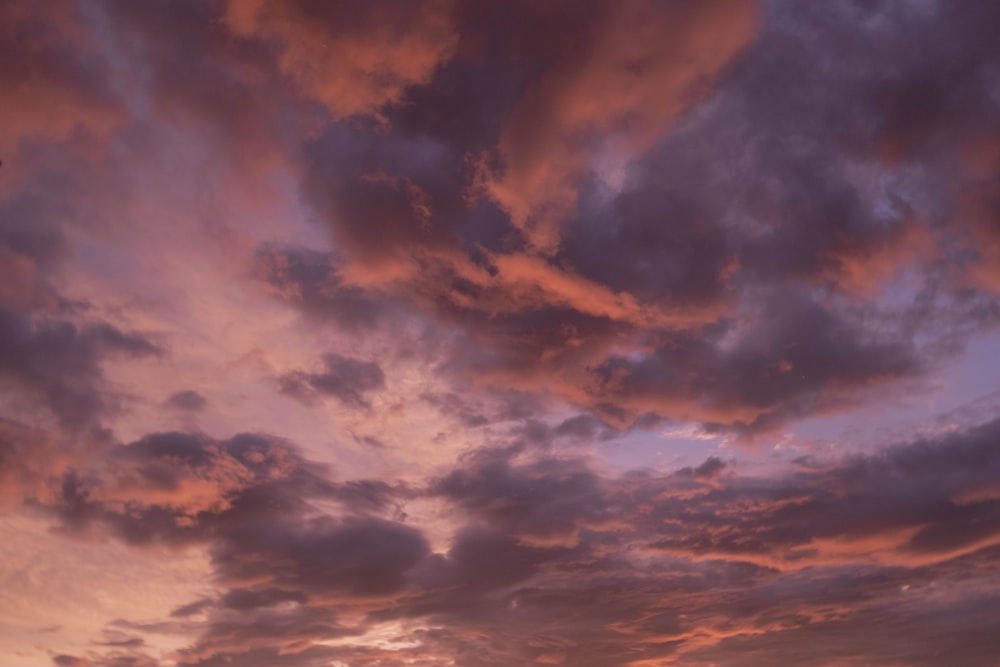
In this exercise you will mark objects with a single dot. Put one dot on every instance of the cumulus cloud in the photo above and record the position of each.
(519, 237)
(307, 279)
(734, 217)
(556, 561)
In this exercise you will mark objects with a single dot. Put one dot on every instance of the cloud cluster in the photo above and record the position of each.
(552, 562)
(770, 245)
(516, 230)
(615, 214)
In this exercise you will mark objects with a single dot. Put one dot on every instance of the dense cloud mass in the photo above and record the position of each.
(488, 333)
(551, 560)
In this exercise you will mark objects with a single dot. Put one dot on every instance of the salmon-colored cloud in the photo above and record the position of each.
(352, 62)
(507, 271)
(631, 569)
(644, 64)
(51, 74)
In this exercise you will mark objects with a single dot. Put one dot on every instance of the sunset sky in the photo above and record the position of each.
(489, 333)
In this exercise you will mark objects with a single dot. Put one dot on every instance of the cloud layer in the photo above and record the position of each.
(551, 561)
(503, 332)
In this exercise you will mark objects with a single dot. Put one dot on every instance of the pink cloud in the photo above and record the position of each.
(353, 63)
(643, 66)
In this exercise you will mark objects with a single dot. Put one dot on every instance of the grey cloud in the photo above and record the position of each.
(753, 204)
(307, 279)
(363, 557)
(244, 477)
(60, 361)
(553, 560)
(187, 400)
(347, 379)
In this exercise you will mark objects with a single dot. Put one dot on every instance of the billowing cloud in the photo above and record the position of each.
(671, 251)
(635, 68)
(558, 562)
(499, 332)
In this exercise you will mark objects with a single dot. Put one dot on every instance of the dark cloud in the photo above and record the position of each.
(355, 557)
(546, 500)
(307, 279)
(68, 661)
(710, 468)
(241, 598)
(344, 378)
(925, 493)
(554, 561)
(187, 400)
(875, 633)
(790, 358)
(741, 258)
(60, 363)
(179, 488)
(127, 642)
(627, 214)
(772, 566)
(254, 501)
(58, 89)
(105, 661)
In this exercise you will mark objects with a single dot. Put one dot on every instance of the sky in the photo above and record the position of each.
(486, 333)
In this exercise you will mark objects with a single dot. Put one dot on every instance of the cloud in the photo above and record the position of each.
(344, 378)
(791, 358)
(693, 568)
(61, 91)
(307, 279)
(353, 557)
(60, 363)
(187, 400)
(558, 562)
(112, 660)
(638, 67)
(180, 488)
(603, 230)
(645, 287)
(353, 60)
(511, 233)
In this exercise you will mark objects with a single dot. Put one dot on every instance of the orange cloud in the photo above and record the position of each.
(352, 62)
(46, 93)
(646, 65)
